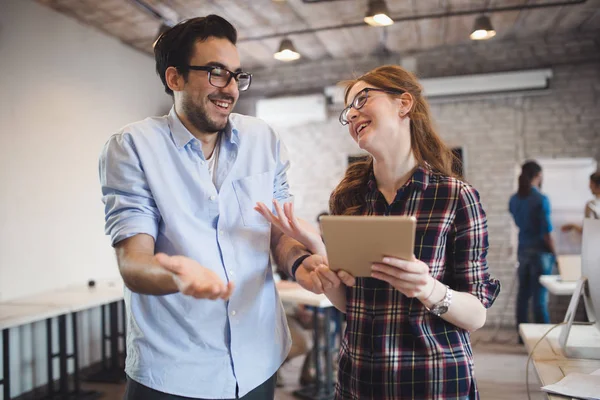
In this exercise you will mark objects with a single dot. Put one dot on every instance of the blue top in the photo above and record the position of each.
(155, 180)
(532, 216)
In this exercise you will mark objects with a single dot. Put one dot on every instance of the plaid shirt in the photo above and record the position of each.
(393, 347)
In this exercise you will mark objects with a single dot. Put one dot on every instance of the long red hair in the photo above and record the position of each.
(429, 150)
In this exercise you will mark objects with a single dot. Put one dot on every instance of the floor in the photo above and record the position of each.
(499, 362)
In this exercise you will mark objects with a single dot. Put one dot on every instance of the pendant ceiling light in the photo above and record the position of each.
(287, 51)
(378, 14)
(482, 30)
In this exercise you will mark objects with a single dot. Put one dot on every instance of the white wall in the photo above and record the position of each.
(64, 89)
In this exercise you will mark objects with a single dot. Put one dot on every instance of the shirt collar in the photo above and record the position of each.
(182, 136)
(419, 179)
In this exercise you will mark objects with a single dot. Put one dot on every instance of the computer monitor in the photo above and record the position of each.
(590, 267)
(587, 342)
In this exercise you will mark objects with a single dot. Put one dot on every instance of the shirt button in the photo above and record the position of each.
(202, 162)
(231, 273)
(212, 198)
(233, 313)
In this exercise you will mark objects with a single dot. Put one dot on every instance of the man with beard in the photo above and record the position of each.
(179, 194)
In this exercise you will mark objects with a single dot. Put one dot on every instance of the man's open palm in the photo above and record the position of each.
(193, 279)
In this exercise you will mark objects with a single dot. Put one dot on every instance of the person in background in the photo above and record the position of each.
(408, 325)
(592, 207)
(536, 253)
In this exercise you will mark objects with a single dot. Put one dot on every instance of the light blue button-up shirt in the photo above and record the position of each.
(155, 180)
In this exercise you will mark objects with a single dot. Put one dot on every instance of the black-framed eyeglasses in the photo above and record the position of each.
(220, 77)
(359, 101)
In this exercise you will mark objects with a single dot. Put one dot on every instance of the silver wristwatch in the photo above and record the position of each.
(442, 306)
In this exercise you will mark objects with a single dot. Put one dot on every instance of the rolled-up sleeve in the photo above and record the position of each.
(467, 249)
(130, 208)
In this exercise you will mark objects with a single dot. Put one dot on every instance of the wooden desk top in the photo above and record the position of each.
(291, 292)
(77, 297)
(51, 304)
(13, 315)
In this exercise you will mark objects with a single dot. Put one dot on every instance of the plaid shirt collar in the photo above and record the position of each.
(419, 179)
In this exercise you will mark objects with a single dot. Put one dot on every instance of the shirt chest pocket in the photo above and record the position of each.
(249, 191)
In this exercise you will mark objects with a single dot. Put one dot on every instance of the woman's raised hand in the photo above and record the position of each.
(294, 227)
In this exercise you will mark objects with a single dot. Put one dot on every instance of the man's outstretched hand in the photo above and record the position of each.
(193, 279)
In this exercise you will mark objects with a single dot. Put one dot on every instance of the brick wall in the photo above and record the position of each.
(497, 132)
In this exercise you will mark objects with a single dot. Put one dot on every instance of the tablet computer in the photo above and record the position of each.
(354, 243)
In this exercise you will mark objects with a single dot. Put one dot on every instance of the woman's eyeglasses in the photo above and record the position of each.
(359, 101)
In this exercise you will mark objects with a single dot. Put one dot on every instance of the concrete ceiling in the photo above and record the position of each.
(349, 38)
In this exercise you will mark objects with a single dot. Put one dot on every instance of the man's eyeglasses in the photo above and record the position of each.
(359, 101)
(220, 77)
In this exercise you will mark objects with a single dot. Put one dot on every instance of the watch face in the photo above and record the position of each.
(439, 309)
(442, 307)
(442, 310)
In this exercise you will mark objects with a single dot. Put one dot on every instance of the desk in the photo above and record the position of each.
(72, 299)
(81, 297)
(291, 292)
(549, 362)
(77, 297)
(556, 286)
(46, 306)
(12, 316)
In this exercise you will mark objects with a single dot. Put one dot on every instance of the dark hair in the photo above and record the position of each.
(595, 178)
(429, 150)
(175, 47)
(529, 171)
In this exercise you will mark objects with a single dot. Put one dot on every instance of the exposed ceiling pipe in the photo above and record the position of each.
(400, 18)
(148, 9)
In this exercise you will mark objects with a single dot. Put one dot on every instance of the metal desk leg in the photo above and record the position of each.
(328, 360)
(103, 337)
(316, 352)
(49, 357)
(320, 390)
(113, 372)
(114, 336)
(63, 355)
(5, 364)
(76, 382)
